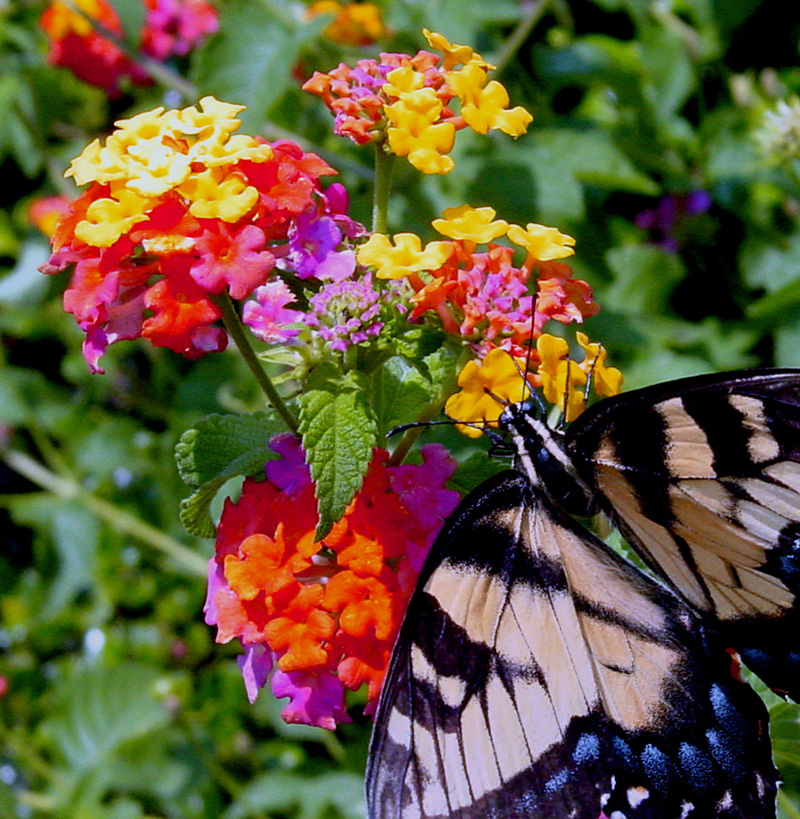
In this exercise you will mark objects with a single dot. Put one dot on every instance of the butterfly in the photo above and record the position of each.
(539, 674)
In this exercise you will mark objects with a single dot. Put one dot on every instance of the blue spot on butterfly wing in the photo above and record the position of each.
(587, 748)
(557, 781)
(658, 768)
(697, 767)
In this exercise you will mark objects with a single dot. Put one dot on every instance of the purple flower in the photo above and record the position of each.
(420, 491)
(289, 473)
(255, 664)
(268, 316)
(313, 243)
(667, 221)
(345, 313)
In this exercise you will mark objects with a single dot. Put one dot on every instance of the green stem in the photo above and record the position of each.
(384, 166)
(520, 34)
(233, 324)
(112, 514)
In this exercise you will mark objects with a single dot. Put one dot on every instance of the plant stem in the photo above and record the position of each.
(520, 33)
(384, 165)
(118, 518)
(233, 324)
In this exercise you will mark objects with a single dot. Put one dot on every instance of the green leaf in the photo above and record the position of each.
(563, 161)
(771, 265)
(474, 470)
(216, 449)
(401, 391)
(131, 15)
(249, 61)
(301, 796)
(339, 432)
(645, 277)
(101, 709)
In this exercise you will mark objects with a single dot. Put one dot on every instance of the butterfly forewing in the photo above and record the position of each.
(703, 477)
(537, 674)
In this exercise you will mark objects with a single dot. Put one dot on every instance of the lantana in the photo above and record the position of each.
(323, 614)
(481, 295)
(79, 41)
(44, 212)
(488, 386)
(180, 210)
(354, 24)
(406, 101)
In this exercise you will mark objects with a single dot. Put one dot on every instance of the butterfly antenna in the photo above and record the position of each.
(399, 430)
(590, 375)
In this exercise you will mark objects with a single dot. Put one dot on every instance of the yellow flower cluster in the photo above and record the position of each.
(564, 380)
(488, 386)
(465, 223)
(190, 152)
(416, 126)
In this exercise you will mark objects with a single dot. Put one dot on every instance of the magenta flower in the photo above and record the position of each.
(420, 491)
(174, 27)
(268, 316)
(315, 698)
(237, 259)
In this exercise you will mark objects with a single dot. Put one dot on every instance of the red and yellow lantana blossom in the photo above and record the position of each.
(488, 386)
(480, 294)
(406, 102)
(78, 38)
(178, 210)
(326, 613)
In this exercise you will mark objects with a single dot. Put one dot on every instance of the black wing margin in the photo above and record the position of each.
(537, 674)
(702, 476)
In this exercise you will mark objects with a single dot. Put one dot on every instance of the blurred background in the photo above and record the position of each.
(666, 139)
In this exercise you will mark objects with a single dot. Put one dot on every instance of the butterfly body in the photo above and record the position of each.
(538, 674)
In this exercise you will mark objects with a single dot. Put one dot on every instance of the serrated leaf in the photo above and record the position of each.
(400, 393)
(339, 432)
(216, 449)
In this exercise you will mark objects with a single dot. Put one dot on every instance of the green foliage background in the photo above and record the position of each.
(118, 703)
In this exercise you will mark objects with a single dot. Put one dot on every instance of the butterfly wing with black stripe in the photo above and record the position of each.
(537, 674)
(703, 477)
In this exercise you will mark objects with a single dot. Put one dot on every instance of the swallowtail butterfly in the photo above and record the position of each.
(538, 674)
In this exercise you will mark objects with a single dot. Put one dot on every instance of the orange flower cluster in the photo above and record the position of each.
(327, 612)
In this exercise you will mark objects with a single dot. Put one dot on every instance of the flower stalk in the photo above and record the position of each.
(233, 324)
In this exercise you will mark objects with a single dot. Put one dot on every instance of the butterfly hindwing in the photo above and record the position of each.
(703, 477)
(539, 674)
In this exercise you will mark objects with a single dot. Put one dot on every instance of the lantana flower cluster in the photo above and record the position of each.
(480, 294)
(178, 211)
(406, 102)
(324, 614)
(354, 24)
(78, 41)
(487, 386)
